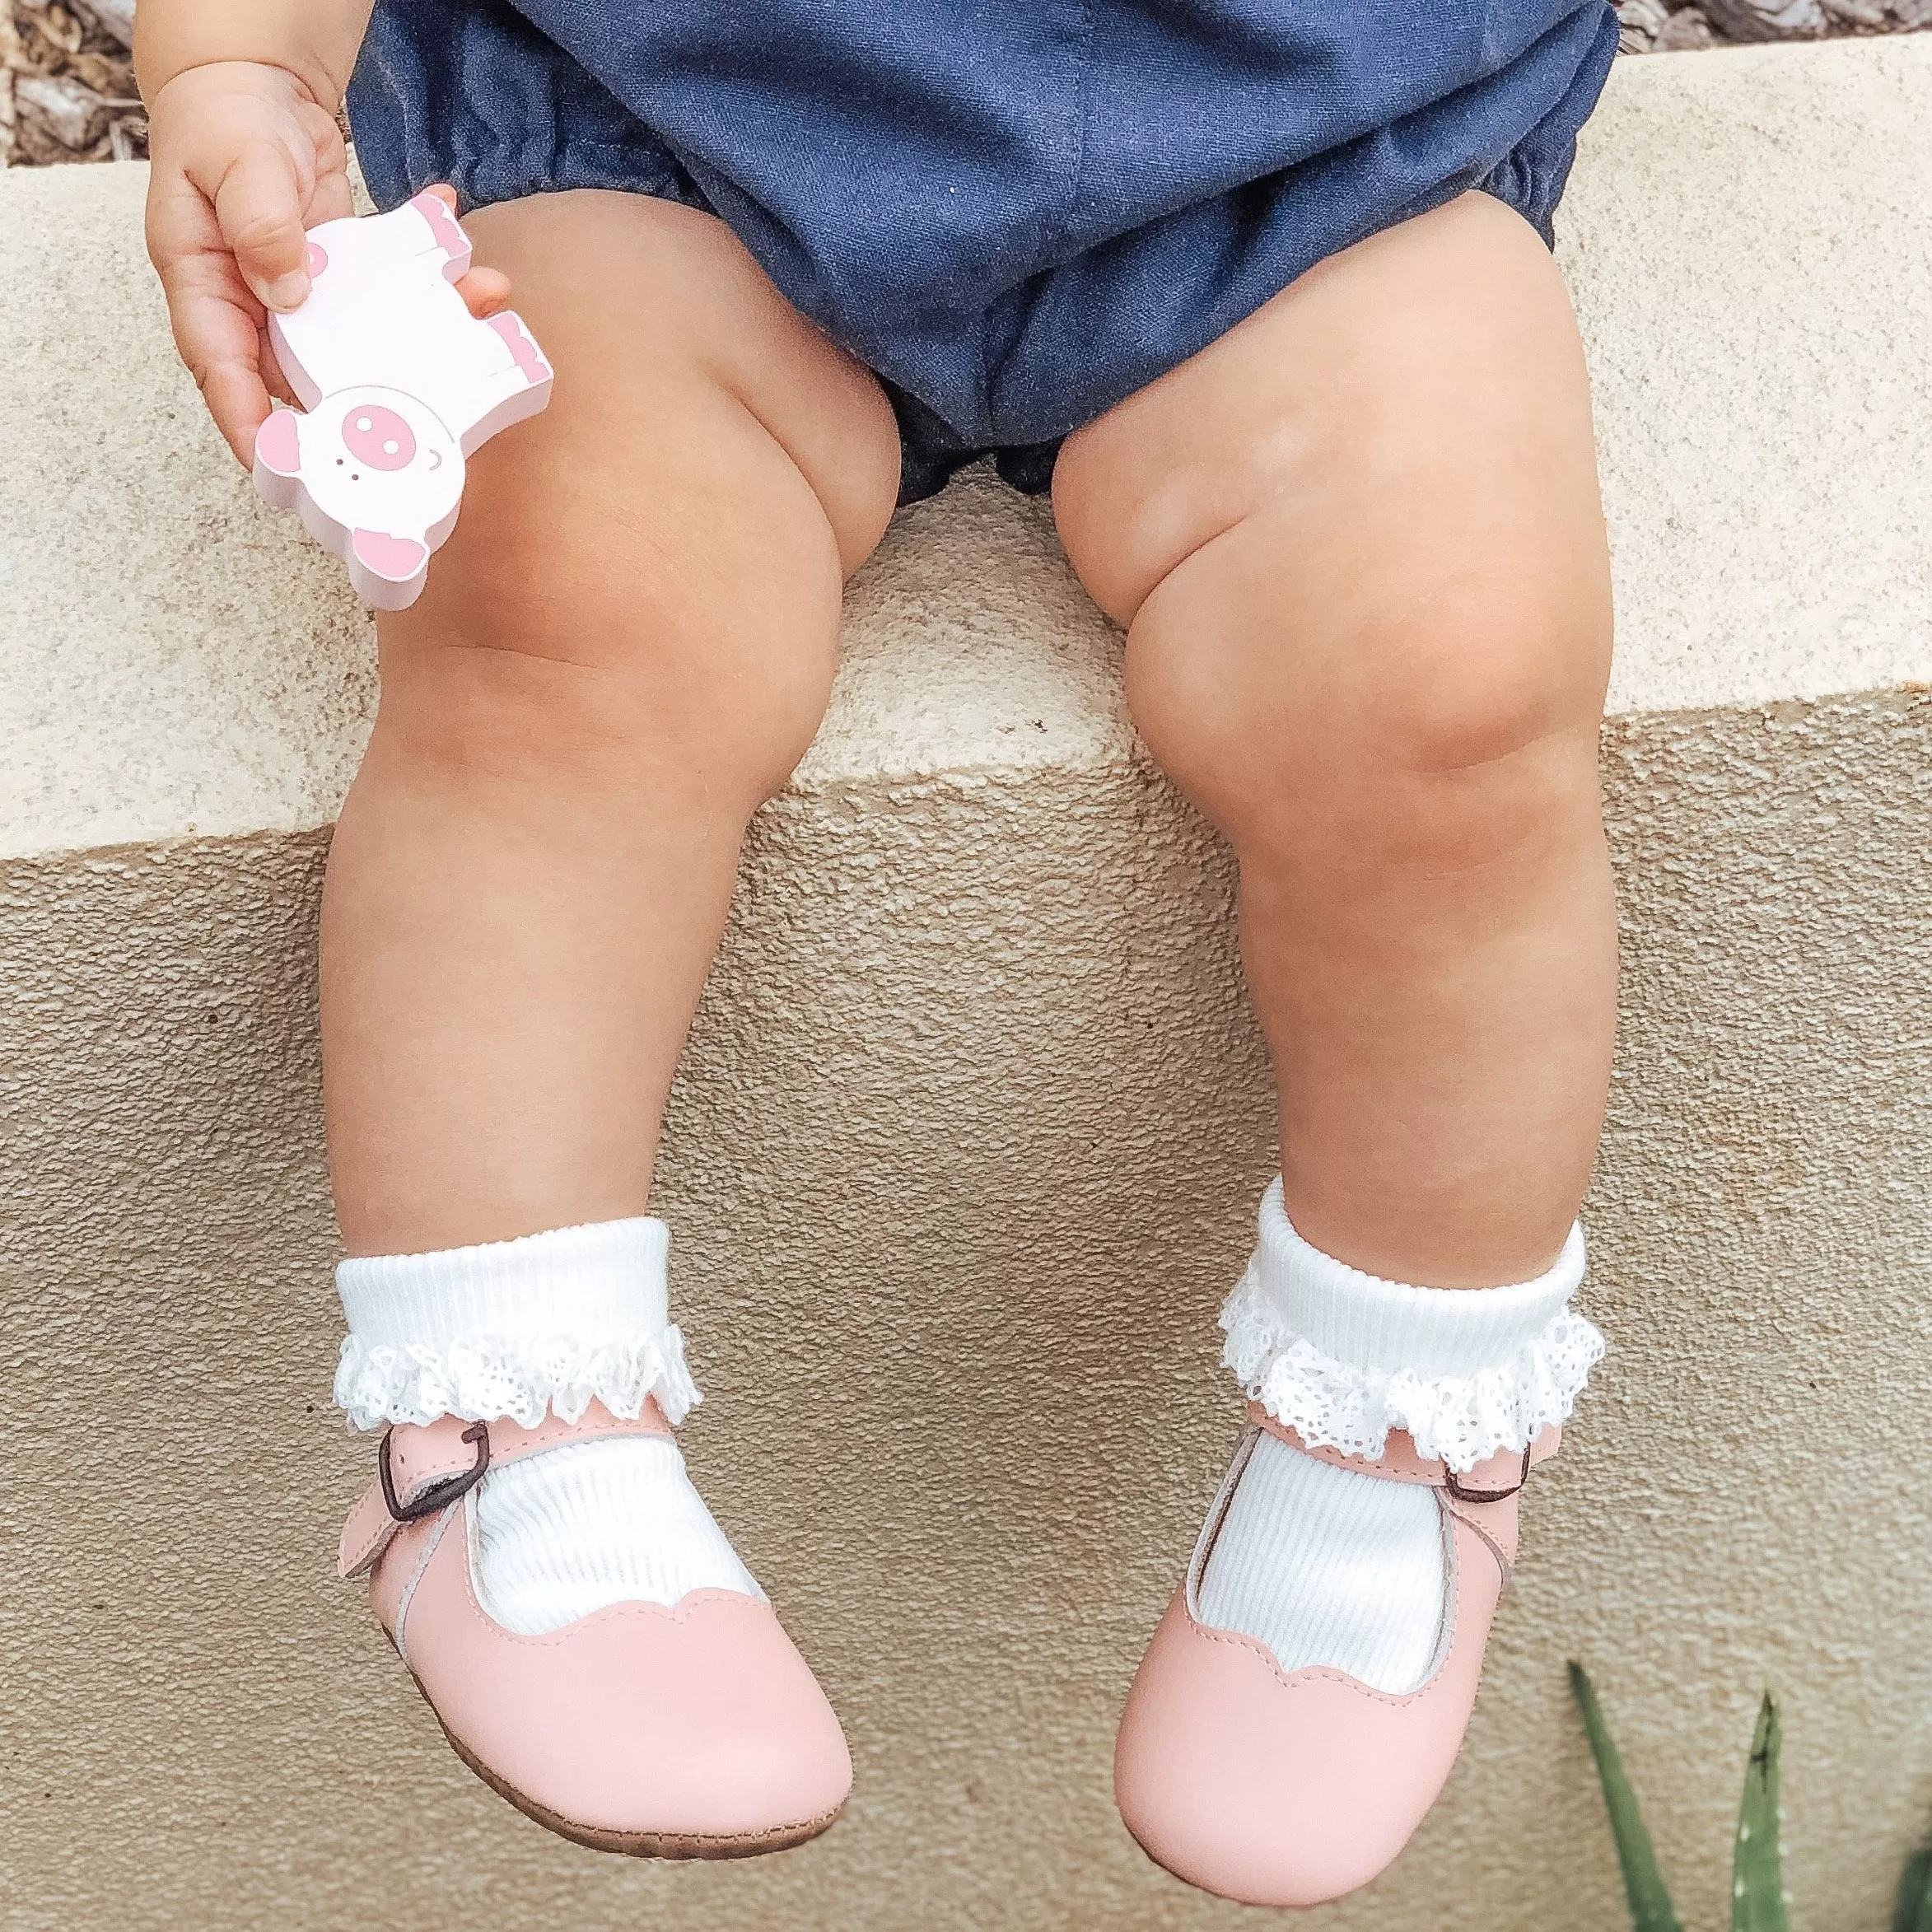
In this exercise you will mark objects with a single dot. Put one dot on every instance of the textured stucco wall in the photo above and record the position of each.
(965, 1151)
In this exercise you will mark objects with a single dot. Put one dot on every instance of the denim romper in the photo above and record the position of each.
(1016, 212)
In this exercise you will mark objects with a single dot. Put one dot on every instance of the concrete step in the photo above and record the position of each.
(972, 1127)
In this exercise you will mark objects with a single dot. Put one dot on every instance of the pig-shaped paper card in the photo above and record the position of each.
(399, 384)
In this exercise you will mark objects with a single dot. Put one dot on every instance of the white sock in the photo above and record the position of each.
(1327, 1566)
(549, 1323)
(1342, 1357)
(578, 1528)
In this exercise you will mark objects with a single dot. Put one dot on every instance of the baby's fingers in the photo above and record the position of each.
(486, 291)
(258, 203)
(217, 329)
(239, 403)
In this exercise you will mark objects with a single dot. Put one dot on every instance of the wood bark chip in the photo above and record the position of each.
(1766, 19)
(59, 108)
(10, 59)
(115, 18)
(66, 82)
(1642, 23)
(1686, 30)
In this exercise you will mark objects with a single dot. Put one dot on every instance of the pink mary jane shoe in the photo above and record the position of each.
(1292, 1789)
(695, 1731)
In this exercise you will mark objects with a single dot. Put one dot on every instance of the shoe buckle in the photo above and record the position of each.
(439, 1495)
(1486, 1495)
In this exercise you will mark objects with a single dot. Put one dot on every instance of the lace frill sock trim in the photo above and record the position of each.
(1342, 1357)
(1463, 1420)
(549, 1322)
(484, 1378)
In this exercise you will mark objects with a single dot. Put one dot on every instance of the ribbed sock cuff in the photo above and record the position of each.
(1342, 1357)
(548, 1322)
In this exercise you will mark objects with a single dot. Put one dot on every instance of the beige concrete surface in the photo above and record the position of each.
(1747, 237)
(966, 1147)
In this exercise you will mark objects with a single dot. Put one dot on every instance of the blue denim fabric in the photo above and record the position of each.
(1016, 211)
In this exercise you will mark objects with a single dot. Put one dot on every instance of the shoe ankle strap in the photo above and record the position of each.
(1493, 1480)
(422, 1469)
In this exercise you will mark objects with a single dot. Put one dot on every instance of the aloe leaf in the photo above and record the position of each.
(1912, 1911)
(1758, 1883)
(1650, 1909)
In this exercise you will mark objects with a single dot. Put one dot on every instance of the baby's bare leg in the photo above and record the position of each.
(621, 653)
(1359, 548)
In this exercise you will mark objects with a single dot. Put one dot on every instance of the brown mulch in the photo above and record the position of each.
(1670, 26)
(67, 76)
(66, 82)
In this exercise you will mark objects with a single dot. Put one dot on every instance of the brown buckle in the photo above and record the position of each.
(1484, 1496)
(439, 1495)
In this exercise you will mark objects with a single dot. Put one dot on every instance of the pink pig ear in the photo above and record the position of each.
(278, 444)
(399, 559)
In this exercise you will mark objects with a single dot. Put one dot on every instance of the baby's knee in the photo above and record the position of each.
(595, 683)
(1475, 676)
(1447, 722)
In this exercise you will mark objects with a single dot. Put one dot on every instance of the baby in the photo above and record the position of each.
(1260, 292)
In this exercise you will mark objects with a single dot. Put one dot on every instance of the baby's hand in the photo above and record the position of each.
(244, 158)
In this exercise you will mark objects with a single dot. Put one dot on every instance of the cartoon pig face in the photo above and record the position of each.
(375, 474)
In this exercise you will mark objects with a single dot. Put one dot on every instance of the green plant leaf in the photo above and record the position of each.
(1912, 1912)
(1758, 1883)
(1650, 1909)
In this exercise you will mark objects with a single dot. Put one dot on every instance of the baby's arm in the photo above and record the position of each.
(313, 42)
(242, 98)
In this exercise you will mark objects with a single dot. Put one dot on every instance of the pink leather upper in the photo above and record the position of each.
(702, 1719)
(1294, 1790)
